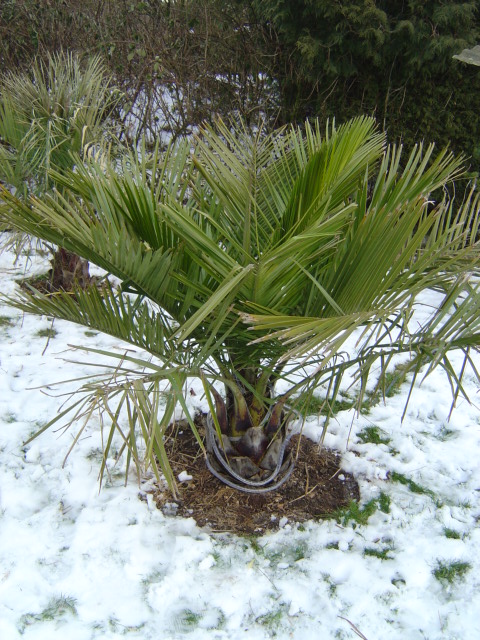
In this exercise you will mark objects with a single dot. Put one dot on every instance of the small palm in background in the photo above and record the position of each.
(59, 108)
(250, 262)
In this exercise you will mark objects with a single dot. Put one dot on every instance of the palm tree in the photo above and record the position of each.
(59, 108)
(249, 261)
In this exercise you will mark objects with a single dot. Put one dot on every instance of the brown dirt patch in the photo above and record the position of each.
(316, 489)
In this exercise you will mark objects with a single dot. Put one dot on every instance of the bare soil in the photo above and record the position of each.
(317, 488)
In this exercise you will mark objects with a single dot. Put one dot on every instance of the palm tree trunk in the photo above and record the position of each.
(68, 271)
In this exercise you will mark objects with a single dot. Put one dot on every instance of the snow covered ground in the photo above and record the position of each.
(80, 565)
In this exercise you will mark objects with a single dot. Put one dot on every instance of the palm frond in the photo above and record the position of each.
(107, 311)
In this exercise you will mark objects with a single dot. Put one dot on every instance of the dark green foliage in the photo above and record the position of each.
(334, 38)
(284, 59)
(389, 59)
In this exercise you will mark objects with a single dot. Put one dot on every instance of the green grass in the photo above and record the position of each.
(187, 619)
(95, 454)
(391, 383)
(313, 404)
(58, 607)
(252, 542)
(332, 545)
(47, 333)
(299, 552)
(289, 553)
(343, 405)
(384, 502)
(354, 512)
(394, 380)
(273, 620)
(270, 620)
(388, 387)
(91, 334)
(382, 554)
(115, 625)
(413, 486)
(55, 609)
(6, 321)
(398, 582)
(449, 572)
(445, 434)
(452, 534)
(360, 515)
(373, 435)
(332, 586)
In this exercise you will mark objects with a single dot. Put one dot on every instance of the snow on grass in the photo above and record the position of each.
(81, 564)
